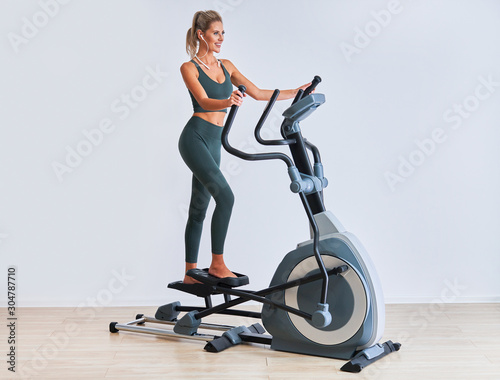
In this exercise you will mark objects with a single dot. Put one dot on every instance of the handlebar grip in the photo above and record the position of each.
(229, 121)
(242, 89)
(314, 83)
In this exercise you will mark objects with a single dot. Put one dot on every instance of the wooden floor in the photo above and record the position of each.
(440, 341)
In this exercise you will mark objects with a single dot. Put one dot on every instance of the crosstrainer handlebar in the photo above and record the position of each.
(314, 83)
(301, 94)
(308, 186)
(249, 156)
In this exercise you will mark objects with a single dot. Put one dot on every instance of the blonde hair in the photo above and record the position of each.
(201, 20)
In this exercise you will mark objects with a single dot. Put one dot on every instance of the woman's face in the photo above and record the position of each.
(214, 37)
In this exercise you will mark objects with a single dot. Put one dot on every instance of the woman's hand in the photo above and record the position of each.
(304, 87)
(236, 98)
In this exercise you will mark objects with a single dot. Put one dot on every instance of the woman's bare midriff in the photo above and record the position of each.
(216, 118)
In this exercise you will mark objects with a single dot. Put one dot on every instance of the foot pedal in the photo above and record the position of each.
(200, 290)
(207, 279)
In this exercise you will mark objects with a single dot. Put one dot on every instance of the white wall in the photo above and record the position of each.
(109, 230)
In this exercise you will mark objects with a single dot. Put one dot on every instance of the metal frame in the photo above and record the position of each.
(231, 336)
(246, 295)
(132, 327)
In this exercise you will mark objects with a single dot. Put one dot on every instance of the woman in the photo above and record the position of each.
(210, 83)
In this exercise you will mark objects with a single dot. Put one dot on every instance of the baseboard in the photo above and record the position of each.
(430, 299)
(187, 299)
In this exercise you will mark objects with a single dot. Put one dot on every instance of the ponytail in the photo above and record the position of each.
(201, 20)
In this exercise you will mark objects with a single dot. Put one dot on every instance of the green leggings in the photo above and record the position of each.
(200, 148)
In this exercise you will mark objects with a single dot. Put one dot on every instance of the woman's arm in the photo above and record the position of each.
(190, 76)
(238, 78)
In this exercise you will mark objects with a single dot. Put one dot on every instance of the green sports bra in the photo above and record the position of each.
(214, 90)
